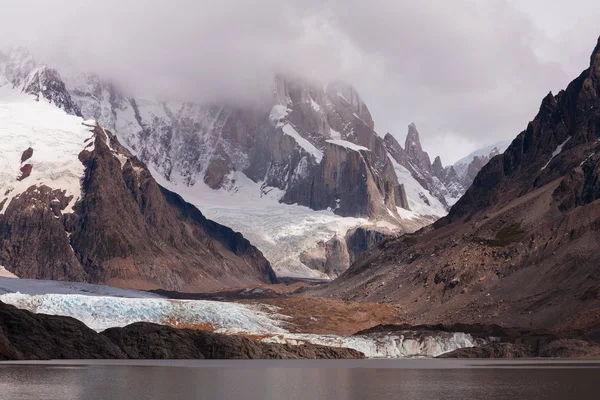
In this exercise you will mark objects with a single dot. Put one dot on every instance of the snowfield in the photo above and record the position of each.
(281, 231)
(55, 137)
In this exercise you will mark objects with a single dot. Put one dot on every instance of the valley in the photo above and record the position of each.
(288, 227)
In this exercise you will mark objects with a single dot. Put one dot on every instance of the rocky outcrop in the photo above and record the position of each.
(336, 255)
(126, 231)
(329, 257)
(28, 336)
(45, 83)
(363, 238)
(352, 182)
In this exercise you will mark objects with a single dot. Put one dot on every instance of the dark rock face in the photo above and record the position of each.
(361, 239)
(336, 255)
(25, 171)
(565, 122)
(33, 240)
(27, 154)
(350, 182)
(44, 83)
(126, 231)
(28, 336)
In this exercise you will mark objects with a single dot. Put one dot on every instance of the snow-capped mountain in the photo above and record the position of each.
(468, 167)
(76, 205)
(296, 174)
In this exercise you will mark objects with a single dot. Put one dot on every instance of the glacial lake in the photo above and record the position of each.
(306, 379)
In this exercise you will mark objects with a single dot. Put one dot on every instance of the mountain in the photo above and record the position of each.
(468, 167)
(520, 247)
(76, 205)
(302, 174)
(309, 147)
(437, 187)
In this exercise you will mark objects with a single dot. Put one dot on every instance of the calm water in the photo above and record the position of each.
(265, 380)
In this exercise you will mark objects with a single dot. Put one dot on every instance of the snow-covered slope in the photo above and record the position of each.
(281, 231)
(56, 139)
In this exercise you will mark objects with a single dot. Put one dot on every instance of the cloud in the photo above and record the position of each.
(468, 73)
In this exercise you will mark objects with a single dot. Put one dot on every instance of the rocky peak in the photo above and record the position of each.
(414, 150)
(46, 83)
(438, 168)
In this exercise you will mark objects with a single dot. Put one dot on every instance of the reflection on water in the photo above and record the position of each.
(352, 380)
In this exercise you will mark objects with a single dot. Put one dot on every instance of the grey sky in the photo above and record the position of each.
(468, 73)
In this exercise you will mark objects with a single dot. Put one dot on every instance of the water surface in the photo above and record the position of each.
(266, 380)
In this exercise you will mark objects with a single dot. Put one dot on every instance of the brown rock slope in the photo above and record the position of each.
(126, 231)
(28, 336)
(521, 247)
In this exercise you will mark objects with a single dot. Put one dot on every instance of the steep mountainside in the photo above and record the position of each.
(76, 205)
(305, 165)
(520, 248)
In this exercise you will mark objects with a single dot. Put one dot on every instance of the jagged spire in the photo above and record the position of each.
(437, 166)
(412, 144)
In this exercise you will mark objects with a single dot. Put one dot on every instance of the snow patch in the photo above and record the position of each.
(334, 134)
(305, 144)
(348, 145)
(556, 152)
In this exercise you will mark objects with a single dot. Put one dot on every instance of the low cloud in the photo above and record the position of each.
(468, 73)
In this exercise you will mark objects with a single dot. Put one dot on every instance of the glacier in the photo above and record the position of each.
(102, 307)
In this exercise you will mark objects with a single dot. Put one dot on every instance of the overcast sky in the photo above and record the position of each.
(468, 73)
